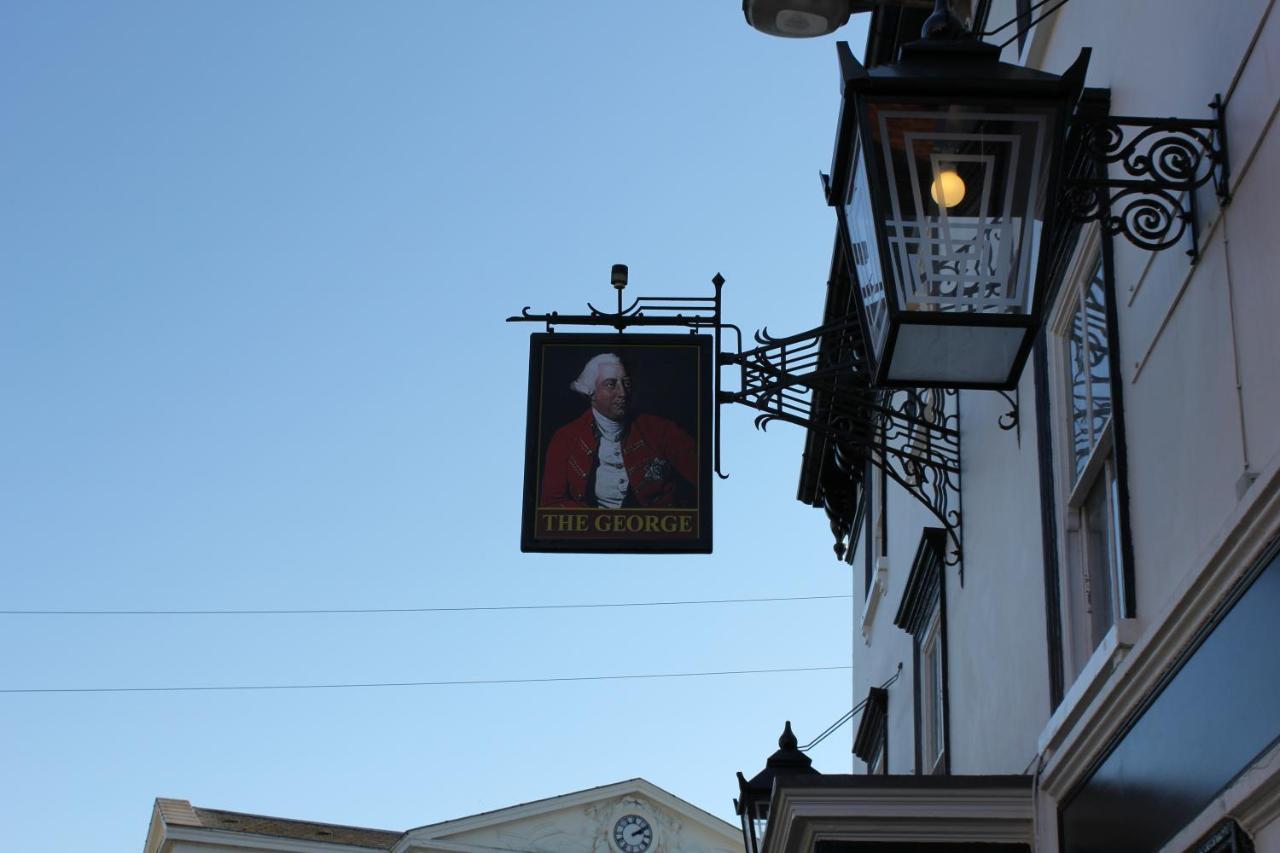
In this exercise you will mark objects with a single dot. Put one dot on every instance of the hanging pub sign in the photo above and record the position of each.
(618, 444)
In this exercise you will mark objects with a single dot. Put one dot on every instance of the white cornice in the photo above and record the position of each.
(1117, 643)
(803, 817)
(1234, 549)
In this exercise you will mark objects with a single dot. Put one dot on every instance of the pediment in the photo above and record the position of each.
(582, 822)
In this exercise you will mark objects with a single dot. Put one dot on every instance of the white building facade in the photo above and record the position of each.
(1101, 669)
(627, 817)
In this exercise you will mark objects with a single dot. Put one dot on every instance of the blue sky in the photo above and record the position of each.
(254, 263)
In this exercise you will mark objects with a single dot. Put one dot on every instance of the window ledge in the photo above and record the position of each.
(1110, 652)
(879, 586)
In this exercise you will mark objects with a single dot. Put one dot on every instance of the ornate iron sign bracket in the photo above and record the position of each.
(1163, 163)
(913, 435)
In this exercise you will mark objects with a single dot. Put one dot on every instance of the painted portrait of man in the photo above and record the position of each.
(618, 447)
(614, 457)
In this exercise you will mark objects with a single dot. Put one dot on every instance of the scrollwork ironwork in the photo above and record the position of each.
(1011, 420)
(1161, 164)
(1177, 154)
(913, 435)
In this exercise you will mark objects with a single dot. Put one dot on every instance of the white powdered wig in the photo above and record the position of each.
(586, 381)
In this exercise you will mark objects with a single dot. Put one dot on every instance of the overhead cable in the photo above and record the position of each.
(1028, 25)
(849, 715)
(373, 610)
(449, 683)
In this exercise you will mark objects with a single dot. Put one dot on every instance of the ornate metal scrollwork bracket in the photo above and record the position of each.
(1011, 420)
(913, 435)
(1162, 162)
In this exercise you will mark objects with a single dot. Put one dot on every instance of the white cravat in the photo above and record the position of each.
(611, 473)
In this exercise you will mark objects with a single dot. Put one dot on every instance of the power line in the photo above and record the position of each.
(453, 683)
(1024, 28)
(374, 610)
(849, 715)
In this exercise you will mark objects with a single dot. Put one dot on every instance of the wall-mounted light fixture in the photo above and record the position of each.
(951, 194)
(946, 168)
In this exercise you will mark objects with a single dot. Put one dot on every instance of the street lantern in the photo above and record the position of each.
(752, 803)
(945, 179)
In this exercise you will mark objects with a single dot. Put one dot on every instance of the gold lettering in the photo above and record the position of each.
(651, 524)
(686, 524)
(557, 521)
(669, 523)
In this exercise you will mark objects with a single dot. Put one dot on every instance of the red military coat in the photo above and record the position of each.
(661, 461)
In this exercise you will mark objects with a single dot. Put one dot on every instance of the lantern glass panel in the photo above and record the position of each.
(864, 251)
(962, 192)
(760, 820)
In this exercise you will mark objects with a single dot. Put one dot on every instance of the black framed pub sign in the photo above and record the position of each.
(618, 444)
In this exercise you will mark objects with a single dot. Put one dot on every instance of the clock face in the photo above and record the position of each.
(632, 834)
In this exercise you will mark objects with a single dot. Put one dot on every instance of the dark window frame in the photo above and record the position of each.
(1094, 102)
(871, 741)
(869, 558)
(924, 596)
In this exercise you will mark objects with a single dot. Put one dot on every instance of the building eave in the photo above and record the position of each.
(931, 809)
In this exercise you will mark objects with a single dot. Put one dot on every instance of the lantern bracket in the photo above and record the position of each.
(1011, 420)
(912, 434)
(1160, 162)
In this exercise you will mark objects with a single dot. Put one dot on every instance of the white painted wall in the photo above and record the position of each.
(999, 690)
(877, 657)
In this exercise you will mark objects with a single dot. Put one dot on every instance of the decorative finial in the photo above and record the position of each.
(942, 24)
(788, 739)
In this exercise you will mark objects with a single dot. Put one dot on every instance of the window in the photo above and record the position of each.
(932, 740)
(876, 519)
(871, 524)
(1088, 362)
(922, 614)
(871, 740)
(1089, 551)
(876, 766)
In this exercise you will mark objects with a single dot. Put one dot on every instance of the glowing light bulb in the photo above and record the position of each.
(947, 189)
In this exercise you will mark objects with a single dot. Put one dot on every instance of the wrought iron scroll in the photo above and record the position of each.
(913, 435)
(1162, 162)
(692, 312)
(1011, 419)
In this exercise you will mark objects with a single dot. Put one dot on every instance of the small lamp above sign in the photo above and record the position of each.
(944, 177)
